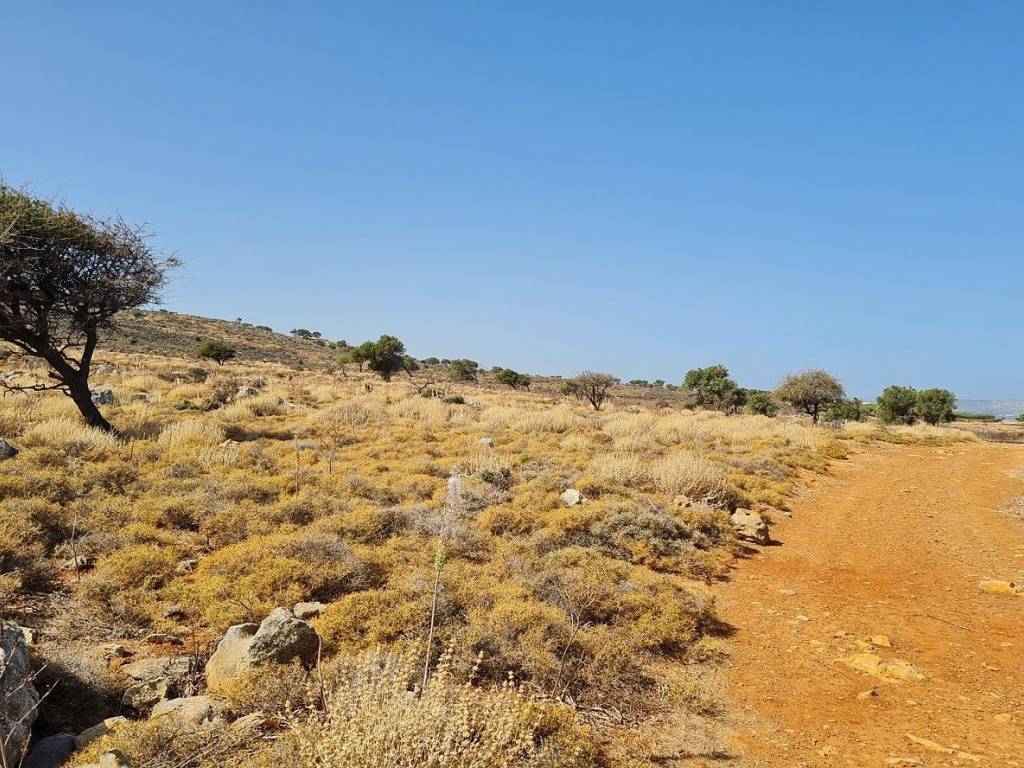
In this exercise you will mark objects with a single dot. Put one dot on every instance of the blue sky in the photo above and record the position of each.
(633, 187)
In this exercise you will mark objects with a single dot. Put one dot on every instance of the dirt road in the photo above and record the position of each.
(891, 546)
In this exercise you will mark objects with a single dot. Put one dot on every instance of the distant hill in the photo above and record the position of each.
(1006, 410)
(177, 335)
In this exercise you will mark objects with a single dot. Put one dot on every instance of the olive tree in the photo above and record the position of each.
(64, 276)
(711, 387)
(897, 405)
(385, 356)
(935, 406)
(591, 387)
(810, 391)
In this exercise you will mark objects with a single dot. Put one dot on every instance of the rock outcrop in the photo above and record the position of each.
(18, 697)
(279, 639)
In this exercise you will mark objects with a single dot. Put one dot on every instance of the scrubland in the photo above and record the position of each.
(245, 487)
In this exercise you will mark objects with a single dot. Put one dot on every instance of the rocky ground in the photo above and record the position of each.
(883, 630)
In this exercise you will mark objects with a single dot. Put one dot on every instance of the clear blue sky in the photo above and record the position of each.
(633, 187)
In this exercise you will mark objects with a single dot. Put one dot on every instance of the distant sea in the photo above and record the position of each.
(1007, 410)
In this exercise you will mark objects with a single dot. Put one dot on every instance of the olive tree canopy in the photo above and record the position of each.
(63, 279)
(810, 391)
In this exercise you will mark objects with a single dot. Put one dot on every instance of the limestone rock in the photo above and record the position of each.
(142, 696)
(114, 758)
(90, 735)
(102, 395)
(192, 709)
(310, 610)
(175, 669)
(18, 697)
(571, 497)
(487, 442)
(895, 670)
(139, 397)
(51, 751)
(750, 526)
(279, 639)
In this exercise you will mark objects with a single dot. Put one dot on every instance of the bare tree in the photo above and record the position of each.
(591, 387)
(63, 279)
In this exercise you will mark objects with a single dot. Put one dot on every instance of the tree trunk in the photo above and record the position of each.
(78, 390)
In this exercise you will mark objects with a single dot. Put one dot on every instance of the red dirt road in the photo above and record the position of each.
(894, 542)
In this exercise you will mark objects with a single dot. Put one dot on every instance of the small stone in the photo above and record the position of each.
(487, 442)
(81, 563)
(89, 735)
(102, 396)
(185, 567)
(1003, 718)
(801, 617)
(139, 397)
(787, 592)
(145, 695)
(928, 744)
(7, 451)
(309, 610)
(193, 709)
(881, 641)
(254, 721)
(998, 587)
(174, 611)
(162, 638)
(114, 758)
(571, 497)
(871, 693)
(750, 526)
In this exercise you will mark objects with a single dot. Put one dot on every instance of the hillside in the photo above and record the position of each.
(466, 529)
(173, 334)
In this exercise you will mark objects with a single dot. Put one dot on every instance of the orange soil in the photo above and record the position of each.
(893, 542)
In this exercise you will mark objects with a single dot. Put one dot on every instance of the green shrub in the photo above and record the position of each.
(897, 405)
(761, 403)
(217, 351)
(935, 406)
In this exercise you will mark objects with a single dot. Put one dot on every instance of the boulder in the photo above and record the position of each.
(7, 451)
(174, 669)
(571, 497)
(310, 610)
(279, 639)
(102, 395)
(50, 752)
(142, 696)
(90, 735)
(191, 709)
(18, 697)
(750, 526)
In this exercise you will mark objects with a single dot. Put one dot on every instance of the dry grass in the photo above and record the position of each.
(332, 491)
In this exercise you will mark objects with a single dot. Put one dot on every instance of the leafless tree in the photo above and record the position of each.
(591, 387)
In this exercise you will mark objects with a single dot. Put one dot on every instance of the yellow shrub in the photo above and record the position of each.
(70, 438)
